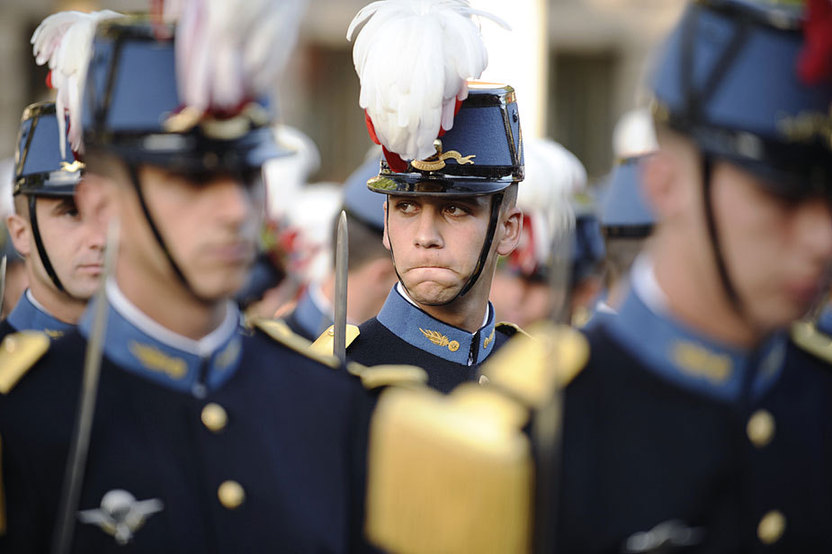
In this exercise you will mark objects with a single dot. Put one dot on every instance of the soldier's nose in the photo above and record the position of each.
(427, 234)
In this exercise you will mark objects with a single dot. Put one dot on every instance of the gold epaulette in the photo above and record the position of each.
(449, 473)
(530, 366)
(808, 337)
(510, 329)
(18, 353)
(378, 376)
(325, 344)
(280, 332)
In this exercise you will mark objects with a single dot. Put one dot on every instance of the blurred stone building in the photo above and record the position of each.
(596, 57)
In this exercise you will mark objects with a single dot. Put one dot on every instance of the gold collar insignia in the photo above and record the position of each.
(439, 339)
(156, 360)
(488, 340)
(696, 360)
(227, 356)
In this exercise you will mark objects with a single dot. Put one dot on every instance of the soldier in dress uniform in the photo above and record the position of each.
(626, 223)
(370, 273)
(697, 425)
(453, 157)
(62, 252)
(554, 193)
(206, 438)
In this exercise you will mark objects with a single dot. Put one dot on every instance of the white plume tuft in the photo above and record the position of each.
(229, 51)
(64, 40)
(553, 176)
(413, 58)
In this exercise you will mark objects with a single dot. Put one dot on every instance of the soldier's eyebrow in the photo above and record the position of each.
(65, 205)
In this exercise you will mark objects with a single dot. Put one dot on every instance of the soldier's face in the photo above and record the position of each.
(520, 300)
(210, 227)
(74, 245)
(777, 251)
(436, 243)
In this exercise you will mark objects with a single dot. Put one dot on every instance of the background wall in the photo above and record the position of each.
(596, 55)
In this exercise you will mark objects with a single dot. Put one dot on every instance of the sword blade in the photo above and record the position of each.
(546, 420)
(2, 284)
(77, 460)
(341, 262)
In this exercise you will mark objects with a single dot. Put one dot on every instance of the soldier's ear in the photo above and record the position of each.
(385, 240)
(20, 233)
(511, 226)
(660, 183)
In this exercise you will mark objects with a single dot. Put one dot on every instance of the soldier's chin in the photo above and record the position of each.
(83, 289)
(433, 294)
(219, 289)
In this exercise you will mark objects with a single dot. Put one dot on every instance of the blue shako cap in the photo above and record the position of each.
(39, 168)
(624, 210)
(132, 108)
(481, 154)
(728, 78)
(359, 201)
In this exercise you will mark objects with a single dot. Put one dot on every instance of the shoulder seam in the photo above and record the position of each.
(809, 338)
(279, 332)
(18, 354)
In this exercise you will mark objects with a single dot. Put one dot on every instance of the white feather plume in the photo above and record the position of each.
(413, 58)
(64, 40)
(553, 175)
(231, 50)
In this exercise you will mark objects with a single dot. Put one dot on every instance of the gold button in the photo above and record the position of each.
(231, 494)
(214, 417)
(771, 527)
(453, 346)
(10, 344)
(331, 331)
(760, 428)
(484, 380)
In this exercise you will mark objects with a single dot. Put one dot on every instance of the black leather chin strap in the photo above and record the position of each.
(44, 257)
(496, 204)
(134, 177)
(713, 235)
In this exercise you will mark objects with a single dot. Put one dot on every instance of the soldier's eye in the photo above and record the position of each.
(456, 210)
(405, 206)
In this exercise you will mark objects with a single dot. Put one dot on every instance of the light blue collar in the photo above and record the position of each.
(824, 323)
(141, 346)
(408, 322)
(684, 357)
(310, 316)
(28, 314)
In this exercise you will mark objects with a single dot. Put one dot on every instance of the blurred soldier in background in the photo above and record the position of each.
(14, 280)
(554, 192)
(626, 219)
(207, 437)
(453, 156)
(370, 273)
(62, 252)
(697, 425)
(626, 223)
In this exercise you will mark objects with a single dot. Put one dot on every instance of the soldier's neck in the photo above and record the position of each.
(696, 298)
(467, 312)
(57, 304)
(171, 305)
